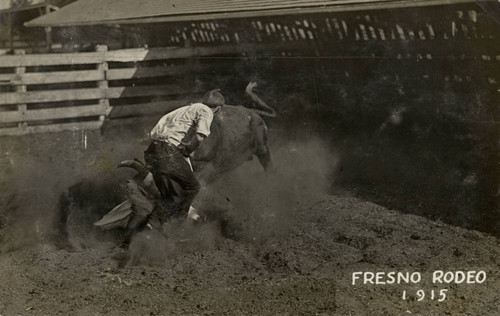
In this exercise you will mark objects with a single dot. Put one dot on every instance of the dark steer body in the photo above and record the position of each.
(237, 134)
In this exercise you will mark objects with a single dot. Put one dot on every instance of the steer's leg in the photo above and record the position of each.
(262, 152)
(264, 156)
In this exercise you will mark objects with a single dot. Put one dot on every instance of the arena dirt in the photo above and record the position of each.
(282, 243)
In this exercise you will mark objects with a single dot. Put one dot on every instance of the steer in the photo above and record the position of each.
(237, 134)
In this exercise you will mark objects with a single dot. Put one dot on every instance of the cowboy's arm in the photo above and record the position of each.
(205, 118)
(187, 148)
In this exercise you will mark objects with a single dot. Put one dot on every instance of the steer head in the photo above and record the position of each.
(143, 177)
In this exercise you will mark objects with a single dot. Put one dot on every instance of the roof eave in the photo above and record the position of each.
(256, 13)
(25, 8)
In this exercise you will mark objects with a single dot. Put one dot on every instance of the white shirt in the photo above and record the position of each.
(190, 119)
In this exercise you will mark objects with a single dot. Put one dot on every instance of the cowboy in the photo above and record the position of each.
(174, 138)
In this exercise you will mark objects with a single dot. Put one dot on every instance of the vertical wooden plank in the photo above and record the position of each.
(345, 28)
(316, 37)
(191, 63)
(21, 108)
(103, 84)
(48, 29)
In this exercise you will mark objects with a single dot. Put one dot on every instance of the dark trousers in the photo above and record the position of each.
(174, 178)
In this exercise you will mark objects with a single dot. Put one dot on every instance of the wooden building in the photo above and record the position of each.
(13, 33)
(326, 24)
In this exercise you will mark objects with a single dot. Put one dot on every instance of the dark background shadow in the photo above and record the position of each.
(407, 96)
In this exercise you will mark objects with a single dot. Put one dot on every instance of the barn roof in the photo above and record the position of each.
(92, 12)
(16, 6)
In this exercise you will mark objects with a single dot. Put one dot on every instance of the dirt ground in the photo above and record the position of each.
(286, 243)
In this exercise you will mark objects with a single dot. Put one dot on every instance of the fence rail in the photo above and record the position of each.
(54, 92)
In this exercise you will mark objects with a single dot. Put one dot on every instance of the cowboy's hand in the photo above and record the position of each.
(185, 149)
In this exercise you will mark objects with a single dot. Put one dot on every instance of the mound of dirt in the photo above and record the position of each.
(279, 243)
(306, 270)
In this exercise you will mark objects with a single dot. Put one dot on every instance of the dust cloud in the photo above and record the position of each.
(247, 204)
(35, 170)
(254, 204)
(152, 248)
(29, 187)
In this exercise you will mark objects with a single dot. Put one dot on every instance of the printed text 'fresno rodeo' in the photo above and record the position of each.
(438, 277)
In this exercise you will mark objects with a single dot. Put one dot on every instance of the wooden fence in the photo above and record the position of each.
(54, 92)
(66, 91)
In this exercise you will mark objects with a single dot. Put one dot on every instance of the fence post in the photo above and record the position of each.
(103, 84)
(190, 76)
(20, 89)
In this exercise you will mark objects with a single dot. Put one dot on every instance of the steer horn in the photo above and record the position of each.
(137, 166)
